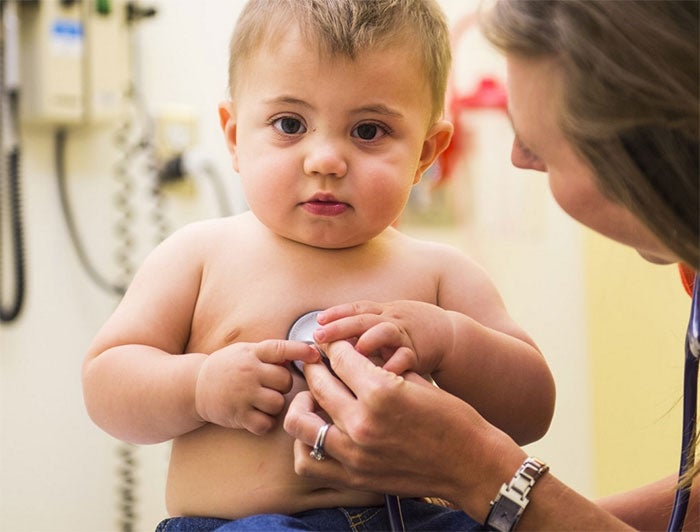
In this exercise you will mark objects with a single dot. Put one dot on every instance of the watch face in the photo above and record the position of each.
(504, 514)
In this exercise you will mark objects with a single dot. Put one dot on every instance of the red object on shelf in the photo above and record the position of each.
(489, 94)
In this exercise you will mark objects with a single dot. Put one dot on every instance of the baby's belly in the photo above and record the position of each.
(229, 474)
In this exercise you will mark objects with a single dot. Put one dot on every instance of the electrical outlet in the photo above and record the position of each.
(176, 131)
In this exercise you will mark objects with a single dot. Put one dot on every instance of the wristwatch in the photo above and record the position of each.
(512, 498)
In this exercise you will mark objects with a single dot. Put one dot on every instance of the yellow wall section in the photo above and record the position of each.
(637, 315)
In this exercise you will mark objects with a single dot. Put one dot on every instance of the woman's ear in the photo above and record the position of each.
(227, 119)
(436, 141)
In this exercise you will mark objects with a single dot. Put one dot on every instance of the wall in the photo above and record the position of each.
(58, 472)
(636, 364)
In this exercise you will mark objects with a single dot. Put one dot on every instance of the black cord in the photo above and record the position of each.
(9, 111)
(10, 313)
(86, 263)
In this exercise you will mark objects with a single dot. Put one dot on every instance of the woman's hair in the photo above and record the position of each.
(629, 98)
(348, 28)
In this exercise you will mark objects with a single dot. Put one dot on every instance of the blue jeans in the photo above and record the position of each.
(417, 515)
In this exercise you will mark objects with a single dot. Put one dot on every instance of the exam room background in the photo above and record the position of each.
(610, 326)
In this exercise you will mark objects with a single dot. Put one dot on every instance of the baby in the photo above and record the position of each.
(334, 114)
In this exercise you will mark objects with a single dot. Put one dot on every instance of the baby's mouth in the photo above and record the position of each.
(325, 205)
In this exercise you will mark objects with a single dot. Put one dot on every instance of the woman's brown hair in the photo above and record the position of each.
(629, 104)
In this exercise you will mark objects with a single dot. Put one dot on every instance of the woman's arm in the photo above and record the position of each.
(649, 507)
(402, 435)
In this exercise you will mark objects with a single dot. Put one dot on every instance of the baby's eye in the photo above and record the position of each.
(289, 125)
(369, 131)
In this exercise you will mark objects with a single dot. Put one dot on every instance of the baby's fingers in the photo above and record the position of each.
(379, 337)
(281, 351)
(402, 360)
(257, 422)
(346, 310)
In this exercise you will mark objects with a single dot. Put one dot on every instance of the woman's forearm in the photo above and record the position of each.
(649, 507)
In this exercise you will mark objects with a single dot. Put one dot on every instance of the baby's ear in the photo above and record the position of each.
(227, 119)
(436, 141)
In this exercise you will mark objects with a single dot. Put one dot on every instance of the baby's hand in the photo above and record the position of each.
(242, 385)
(408, 335)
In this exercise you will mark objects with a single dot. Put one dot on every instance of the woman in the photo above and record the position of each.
(603, 97)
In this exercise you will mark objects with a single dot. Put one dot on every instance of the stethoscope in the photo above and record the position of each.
(302, 330)
(690, 403)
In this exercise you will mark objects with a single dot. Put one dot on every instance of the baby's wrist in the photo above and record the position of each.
(196, 391)
(452, 330)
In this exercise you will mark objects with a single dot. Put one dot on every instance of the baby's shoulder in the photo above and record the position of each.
(204, 232)
(431, 248)
(441, 256)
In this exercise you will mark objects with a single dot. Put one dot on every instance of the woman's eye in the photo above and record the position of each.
(369, 131)
(289, 125)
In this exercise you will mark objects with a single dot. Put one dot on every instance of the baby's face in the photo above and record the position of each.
(328, 148)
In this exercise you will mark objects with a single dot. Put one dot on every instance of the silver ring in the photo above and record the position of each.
(317, 453)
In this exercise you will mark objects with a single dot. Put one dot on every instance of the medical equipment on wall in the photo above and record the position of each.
(74, 61)
(77, 59)
(690, 403)
(193, 162)
(302, 330)
(10, 187)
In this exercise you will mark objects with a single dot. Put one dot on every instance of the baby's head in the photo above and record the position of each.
(346, 28)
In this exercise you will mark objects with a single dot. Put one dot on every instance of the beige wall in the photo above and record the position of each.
(637, 315)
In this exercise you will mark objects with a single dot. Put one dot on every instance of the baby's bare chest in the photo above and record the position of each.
(259, 302)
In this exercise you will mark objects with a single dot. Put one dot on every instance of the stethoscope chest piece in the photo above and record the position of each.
(302, 330)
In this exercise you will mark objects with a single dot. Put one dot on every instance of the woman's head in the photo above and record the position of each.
(347, 28)
(626, 101)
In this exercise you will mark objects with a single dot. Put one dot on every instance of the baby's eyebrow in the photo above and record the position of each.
(379, 109)
(290, 100)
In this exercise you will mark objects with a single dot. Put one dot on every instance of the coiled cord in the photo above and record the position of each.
(123, 199)
(127, 486)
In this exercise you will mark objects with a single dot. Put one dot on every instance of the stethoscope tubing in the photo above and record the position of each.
(690, 403)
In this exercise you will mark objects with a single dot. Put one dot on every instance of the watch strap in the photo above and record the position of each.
(509, 505)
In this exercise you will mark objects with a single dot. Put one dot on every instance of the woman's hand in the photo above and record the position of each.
(397, 434)
(403, 436)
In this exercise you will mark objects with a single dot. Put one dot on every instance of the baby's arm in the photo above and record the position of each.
(467, 342)
(141, 387)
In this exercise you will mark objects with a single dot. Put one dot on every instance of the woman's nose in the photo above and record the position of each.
(325, 158)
